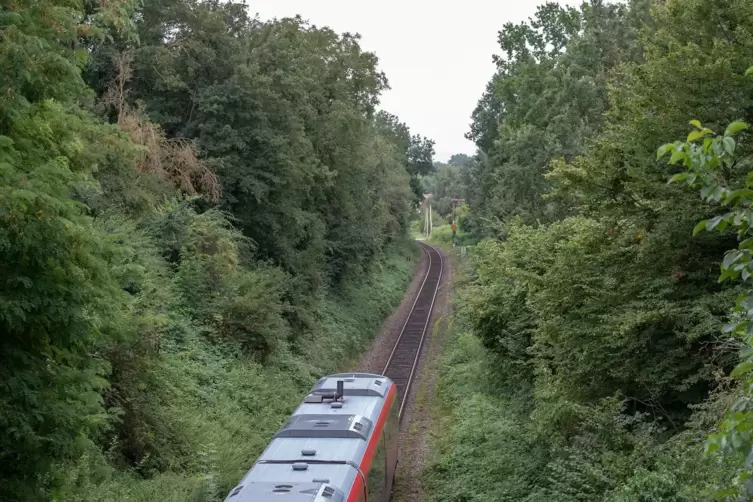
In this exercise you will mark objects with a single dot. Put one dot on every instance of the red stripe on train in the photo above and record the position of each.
(371, 448)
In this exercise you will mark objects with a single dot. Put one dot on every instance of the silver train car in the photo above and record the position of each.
(340, 445)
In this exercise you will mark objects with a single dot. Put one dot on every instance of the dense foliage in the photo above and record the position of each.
(449, 182)
(596, 312)
(709, 162)
(449, 185)
(201, 214)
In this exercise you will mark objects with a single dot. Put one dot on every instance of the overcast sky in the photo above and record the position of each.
(437, 55)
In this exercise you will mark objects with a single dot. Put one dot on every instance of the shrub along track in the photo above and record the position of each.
(400, 352)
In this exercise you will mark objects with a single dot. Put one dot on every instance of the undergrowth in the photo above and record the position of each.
(442, 234)
(489, 444)
(225, 407)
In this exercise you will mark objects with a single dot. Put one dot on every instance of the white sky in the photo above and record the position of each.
(436, 54)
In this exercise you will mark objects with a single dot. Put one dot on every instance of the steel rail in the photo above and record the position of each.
(410, 341)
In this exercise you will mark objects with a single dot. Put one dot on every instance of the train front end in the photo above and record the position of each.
(340, 444)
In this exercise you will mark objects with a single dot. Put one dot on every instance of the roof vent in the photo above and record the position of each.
(331, 425)
(336, 405)
(300, 466)
(320, 480)
(378, 382)
(308, 452)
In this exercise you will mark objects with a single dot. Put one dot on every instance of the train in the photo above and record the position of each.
(339, 445)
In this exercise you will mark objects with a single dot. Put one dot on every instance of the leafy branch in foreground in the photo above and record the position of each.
(709, 160)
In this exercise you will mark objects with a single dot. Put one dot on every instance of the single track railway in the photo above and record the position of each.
(403, 361)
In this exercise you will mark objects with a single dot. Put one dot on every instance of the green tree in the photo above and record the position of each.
(58, 301)
(447, 183)
(546, 101)
(415, 151)
(708, 163)
(215, 203)
(600, 309)
(284, 114)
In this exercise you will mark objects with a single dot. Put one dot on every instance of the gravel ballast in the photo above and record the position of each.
(416, 425)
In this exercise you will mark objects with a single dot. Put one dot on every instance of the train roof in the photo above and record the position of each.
(316, 454)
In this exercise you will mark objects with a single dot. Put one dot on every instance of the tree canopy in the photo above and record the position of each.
(194, 203)
(597, 310)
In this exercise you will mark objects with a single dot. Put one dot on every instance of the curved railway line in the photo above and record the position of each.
(403, 361)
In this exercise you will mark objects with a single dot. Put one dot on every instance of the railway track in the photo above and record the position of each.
(403, 360)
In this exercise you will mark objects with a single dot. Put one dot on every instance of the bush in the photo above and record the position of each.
(493, 448)
(443, 235)
(194, 411)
